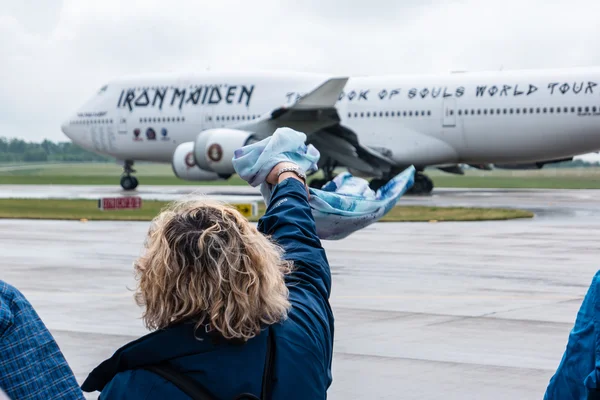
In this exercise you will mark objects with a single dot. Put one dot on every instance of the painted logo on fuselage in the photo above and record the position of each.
(193, 95)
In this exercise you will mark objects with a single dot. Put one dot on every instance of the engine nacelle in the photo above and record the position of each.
(214, 148)
(184, 165)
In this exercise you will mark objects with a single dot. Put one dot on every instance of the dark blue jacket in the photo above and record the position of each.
(578, 374)
(31, 363)
(303, 342)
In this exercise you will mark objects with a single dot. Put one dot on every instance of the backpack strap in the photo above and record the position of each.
(186, 384)
(267, 382)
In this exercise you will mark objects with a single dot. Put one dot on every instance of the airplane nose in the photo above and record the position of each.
(64, 127)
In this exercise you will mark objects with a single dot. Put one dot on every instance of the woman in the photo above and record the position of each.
(216, 290)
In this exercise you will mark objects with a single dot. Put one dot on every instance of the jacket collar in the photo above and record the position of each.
(175, 341)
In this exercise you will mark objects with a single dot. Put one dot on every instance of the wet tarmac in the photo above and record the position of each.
(469, 310)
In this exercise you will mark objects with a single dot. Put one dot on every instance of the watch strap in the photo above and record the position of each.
(295, 170)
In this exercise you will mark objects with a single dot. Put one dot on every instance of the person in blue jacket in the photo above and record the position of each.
(32, 365)
(578, 374)
(216, 289)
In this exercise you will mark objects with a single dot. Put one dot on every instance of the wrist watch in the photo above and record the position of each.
(296, 170)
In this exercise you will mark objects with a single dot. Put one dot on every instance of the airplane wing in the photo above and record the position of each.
(312, 112)
(315, 115)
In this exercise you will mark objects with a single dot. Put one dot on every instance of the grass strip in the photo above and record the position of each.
(88, 210)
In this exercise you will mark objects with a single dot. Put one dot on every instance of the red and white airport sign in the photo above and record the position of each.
(120, 203)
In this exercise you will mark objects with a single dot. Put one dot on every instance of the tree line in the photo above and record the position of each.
(18, 150)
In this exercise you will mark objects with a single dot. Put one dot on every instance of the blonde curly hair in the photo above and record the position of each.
(204, 261)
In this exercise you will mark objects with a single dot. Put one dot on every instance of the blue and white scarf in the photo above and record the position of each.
(342, 206)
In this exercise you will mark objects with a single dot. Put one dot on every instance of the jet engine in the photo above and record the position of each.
(184, 165)
(214, 148)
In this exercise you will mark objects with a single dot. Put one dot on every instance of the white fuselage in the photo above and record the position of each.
(492, 117)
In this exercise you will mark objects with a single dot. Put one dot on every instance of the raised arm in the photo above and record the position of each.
(289, 221)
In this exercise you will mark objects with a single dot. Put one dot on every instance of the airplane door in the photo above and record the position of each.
(122, 124)
(110, 133)
(449, 112)
(208, 121)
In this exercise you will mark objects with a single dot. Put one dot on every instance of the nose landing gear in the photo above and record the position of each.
(128, 182)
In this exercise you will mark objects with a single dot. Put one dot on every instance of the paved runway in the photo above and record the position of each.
(423, 311)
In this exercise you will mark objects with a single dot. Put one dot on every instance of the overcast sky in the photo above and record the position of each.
(55, 54)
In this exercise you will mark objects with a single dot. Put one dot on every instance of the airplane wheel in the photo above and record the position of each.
(428, 184)
(129, 182)
(423, 185)
(376, 184)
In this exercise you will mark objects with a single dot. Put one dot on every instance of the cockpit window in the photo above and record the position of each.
(103, 89)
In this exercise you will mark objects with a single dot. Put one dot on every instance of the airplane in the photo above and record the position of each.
(372, 126)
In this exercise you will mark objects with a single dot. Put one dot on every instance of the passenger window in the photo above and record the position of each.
(368, 114)
(423, 113)
(459, 112)
(518, 110)
(587, 109)
(381, 113)
(578, 109)
(491, 111)
(362, 115)
(524, 111)
(594, 109)
(485, 111)
(552, 110)
(537, 110)
(218, 118)
(392, 114)
(404, 113)
(558, 109)
(573, 109)
(566, 109)
(451, 112)
(374, 115)
(545, 110)
(429, 113)
(355, 115)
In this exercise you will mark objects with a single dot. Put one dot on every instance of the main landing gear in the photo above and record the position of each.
(327, 174)
(423, 185)
(128, 182)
